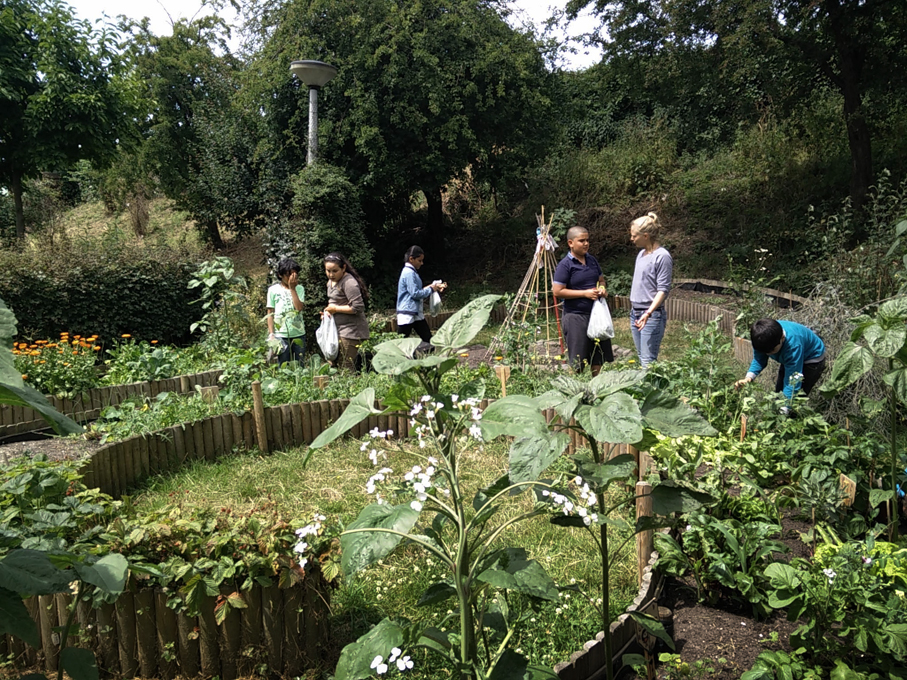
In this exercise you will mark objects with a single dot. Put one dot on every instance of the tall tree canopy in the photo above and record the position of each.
(62, 94)
(426, 91)
(770, 52)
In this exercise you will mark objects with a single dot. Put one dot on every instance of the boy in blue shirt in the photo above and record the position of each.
(798, 349)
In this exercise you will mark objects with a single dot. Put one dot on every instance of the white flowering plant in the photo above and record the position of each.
(615, 407)
(851, 606)
(428, 506)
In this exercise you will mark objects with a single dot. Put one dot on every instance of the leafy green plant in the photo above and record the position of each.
(137, 361)
(883, 336)
(675, 668)
(726, 552)
(63, 368)
(224, 296)
(853, 615)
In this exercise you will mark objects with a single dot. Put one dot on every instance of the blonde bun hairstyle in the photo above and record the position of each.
(648, 225)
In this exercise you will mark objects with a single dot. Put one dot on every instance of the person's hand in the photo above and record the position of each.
(293, 280)
(592, 293)
(740, 383)
(330, 309)
(641, 321)
(602, 291)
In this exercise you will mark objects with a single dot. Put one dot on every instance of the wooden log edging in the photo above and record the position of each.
(589, 662)
(88, 406)
(141, 636)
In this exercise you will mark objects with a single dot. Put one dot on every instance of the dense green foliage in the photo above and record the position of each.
(108, 292)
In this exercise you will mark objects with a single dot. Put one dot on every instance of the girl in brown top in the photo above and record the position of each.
(347, 297)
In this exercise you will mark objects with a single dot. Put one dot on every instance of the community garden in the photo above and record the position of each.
(495, 521)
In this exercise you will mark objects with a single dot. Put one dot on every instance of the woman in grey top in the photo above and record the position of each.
(347, 297)
(651, 285)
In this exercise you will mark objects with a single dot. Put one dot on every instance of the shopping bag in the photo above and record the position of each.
(434, 303)
(600, 324)
(327, 337)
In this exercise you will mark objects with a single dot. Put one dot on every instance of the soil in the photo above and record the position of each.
(727, 630)
(55, 448)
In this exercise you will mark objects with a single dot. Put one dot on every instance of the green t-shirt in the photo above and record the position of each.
(287, 321)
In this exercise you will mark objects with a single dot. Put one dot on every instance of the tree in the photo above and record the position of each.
(854, 46)
(200, 140)
(63, 96)
(425, 91)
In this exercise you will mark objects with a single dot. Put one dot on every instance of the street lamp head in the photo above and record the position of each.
(313, 73)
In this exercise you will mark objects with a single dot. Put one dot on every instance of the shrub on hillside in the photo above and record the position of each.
(94, 289)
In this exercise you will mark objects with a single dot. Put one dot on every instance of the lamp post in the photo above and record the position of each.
(315, 74)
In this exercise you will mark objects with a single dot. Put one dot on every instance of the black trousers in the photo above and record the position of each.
(421, 328)
(811, 375)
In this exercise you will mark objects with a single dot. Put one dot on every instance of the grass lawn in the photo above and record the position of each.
(334, 482)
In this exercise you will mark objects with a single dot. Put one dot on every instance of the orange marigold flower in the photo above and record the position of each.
(154, 342)
(25, 376)
(75, 351)
(67, 364)
(32, 346)
(96, 348)
(59, 351)
(35, 353)
(77, 336)
(42, 361)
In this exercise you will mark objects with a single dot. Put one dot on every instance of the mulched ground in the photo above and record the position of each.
(55, 448)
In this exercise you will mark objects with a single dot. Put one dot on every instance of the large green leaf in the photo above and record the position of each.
(15, 619)
(513, 570)
(437, 592)
(361, 549)
(653, 627)
(26, 395)
(531, 456)
(896, 308)
(608, 382)
(668, 415)
(885, 342)
(30, 572)
(483, 495)
(460, 329)
(109, 573)
(852, 363)
(600, 475)
(361, 407)
(356, 658)
(8, 373)
(514, 416)
(563, 404)
(80, 664)
(668, 498)
(616, 419)
(897, 380)
(514, 666)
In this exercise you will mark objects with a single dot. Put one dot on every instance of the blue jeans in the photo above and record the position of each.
(291, 349)
(648, 340)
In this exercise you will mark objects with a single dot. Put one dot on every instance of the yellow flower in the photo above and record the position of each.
(125, 335)
(96, 348)
(465, 354)
(632, 361)
(498, 358)
(43, 361)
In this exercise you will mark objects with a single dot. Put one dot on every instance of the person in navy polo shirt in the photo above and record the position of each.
(578, 281)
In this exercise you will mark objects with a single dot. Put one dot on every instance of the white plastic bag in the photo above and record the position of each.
(327, 337)
(600, 324)
(434, 303)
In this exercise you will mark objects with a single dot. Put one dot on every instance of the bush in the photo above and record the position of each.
(100, 289)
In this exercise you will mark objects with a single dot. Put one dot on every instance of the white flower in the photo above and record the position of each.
(867, 561)
(304, 561)
(425, 397)
(389, 433)
(416, 505)
(395, 652)
(578, 480)
(376, 661)
(409, 476)
(432, 460)
(419, 488)
(475, 431)
(301, 547)
(404, 664)
(830, 573)
(454, 398)
(430, 414)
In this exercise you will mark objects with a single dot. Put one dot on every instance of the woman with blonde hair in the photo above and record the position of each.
(651, 285)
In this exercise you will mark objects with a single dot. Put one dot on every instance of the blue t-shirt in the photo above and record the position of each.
(573, 274)
(800, 346)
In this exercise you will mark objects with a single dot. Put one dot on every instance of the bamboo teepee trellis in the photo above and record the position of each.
(534, 314)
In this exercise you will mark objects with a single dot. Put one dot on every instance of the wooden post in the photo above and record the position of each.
(108, 661)
(321, 381)
(188, 647)
(167, 635)
(645, 540)
(258, 412)
(146, 638)
(207, 638)
(849, 487)
(47, 621)
(646, 465)
(272, 625)
(126, 643)
(503, 373)
(250, 628)
(230, 639)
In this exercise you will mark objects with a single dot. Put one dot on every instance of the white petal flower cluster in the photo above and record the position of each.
(403, 663)
(313, 529)
(568, 507)
(830, 574)
(371, 484)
